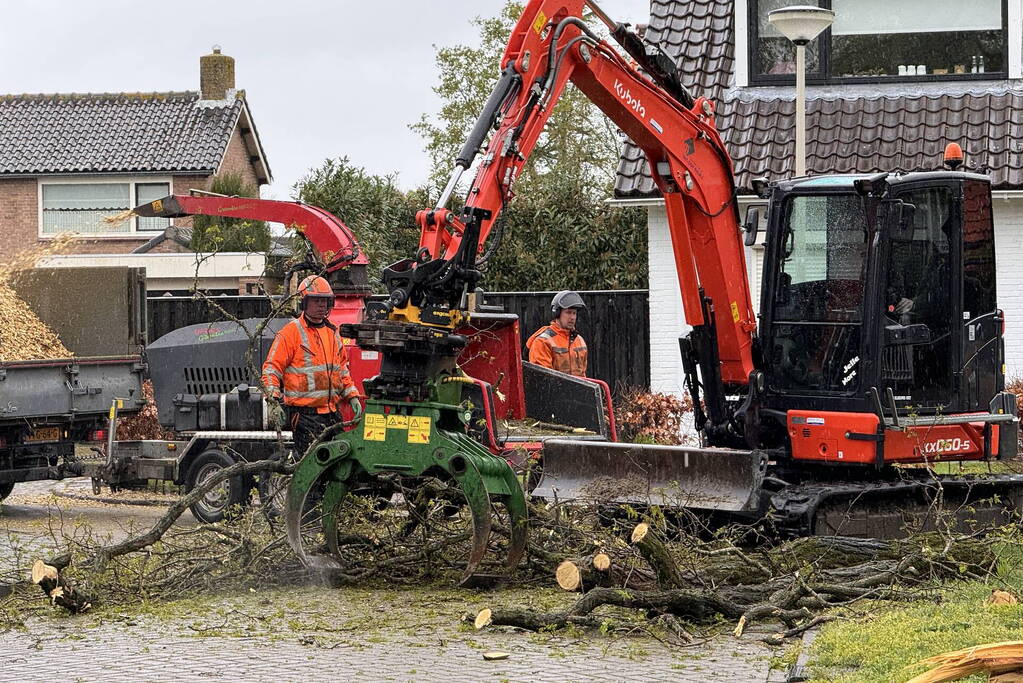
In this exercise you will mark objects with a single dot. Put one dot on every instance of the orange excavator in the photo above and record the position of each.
(880, 343)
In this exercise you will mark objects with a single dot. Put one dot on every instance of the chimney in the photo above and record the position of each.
(216, 75)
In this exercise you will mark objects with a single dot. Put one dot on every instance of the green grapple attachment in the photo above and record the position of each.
(410, 441)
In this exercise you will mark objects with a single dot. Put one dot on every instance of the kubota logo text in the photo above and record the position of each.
(956, 445)
(627, 97)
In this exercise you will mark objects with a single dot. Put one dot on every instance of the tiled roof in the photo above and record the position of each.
(698, 33)
(849, 128)
(114, 132)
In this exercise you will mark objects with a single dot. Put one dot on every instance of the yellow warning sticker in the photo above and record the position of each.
(418, 429)
(539, 22)
(735, 312)
(397, 421)
(158, 206)
(374, 427)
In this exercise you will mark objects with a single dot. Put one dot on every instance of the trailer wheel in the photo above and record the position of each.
(215, 505)
(5, 489)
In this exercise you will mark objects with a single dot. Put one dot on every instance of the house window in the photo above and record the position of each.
(775, 55)
(92, 208)
(145, 193)
(882, 40)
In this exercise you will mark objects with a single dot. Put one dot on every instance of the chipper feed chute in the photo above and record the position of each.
(700, 478)
(399, 447)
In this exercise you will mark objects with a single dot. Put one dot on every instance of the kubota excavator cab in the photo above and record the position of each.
(878, 304)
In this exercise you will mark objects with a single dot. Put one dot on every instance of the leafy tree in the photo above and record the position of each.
(380, 214)
(217, 234)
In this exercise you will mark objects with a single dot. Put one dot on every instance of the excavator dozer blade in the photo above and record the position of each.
(701, 478)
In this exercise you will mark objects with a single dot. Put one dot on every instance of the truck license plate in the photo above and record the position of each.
(44, 434)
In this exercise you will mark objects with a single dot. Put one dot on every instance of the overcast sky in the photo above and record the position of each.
(323, 79)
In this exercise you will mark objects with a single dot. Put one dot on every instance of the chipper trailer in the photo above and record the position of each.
(880, 343)
(47, 405)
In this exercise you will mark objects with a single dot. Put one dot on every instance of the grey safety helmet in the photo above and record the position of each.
(566, 299)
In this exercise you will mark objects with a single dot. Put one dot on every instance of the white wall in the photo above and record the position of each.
(176, 271)
(667, 321)
(1008, 214)
(666, 318)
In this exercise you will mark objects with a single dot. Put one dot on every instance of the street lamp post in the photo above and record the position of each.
(801, 24)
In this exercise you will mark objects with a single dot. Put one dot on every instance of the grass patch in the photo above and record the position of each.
(978, 467)
(884, 641)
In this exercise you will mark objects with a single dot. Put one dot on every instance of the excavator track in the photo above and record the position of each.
(895, 509)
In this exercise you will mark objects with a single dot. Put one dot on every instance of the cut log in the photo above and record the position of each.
(482, 619)
(41, 570)
(584, 573)
(999, 597)
(657, 556)
(569, 576)
(60, 592)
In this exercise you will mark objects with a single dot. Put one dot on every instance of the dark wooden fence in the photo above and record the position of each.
(615, 324)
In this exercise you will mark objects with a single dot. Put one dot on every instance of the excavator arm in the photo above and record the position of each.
(550, 47)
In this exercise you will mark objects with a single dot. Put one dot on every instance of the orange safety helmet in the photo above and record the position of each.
(314, 286)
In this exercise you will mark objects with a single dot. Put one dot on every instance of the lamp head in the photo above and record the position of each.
(801, 23)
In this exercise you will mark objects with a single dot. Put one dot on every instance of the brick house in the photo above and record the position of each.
(69, 161)
(866, 112)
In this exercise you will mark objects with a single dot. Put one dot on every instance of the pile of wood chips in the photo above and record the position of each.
(23, 336)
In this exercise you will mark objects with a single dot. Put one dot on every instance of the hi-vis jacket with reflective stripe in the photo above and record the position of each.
(552, 346)
(309, 365)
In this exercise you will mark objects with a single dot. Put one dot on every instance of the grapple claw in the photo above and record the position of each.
(478, 500)
(333, 495)
(515, 504)
(315, 467)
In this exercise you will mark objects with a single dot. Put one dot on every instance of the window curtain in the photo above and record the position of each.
(861, 17)
(82, 207)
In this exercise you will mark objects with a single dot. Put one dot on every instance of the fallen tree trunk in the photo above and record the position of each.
(791, 597)
(140, 541)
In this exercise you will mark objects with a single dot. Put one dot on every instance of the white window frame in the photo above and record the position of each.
(131, 181)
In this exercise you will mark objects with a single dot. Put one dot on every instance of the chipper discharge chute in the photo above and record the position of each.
(411, 446)
(716, 479)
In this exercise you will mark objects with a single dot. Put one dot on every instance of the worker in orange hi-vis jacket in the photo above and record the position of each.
(307, 368)
(558, 346)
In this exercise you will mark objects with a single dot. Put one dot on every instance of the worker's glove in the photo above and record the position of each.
(356, 405)
(904, 306)
(275, 416)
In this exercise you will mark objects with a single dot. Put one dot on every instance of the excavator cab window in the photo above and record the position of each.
(818, 299)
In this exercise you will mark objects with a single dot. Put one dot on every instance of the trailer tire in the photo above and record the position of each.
(216, 505)
(5, 489)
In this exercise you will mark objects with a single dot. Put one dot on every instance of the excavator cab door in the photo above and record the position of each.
(813, 298)
(916, 310)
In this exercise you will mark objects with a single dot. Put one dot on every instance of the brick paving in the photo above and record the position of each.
(310, 634)
(65, 651)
